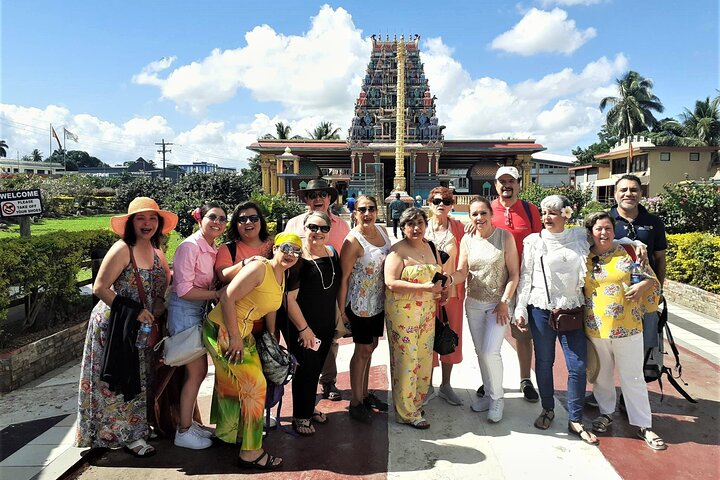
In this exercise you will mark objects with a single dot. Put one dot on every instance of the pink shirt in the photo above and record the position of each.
(339, 229)
(193, 265)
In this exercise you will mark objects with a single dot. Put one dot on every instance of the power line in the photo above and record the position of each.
(163, 151)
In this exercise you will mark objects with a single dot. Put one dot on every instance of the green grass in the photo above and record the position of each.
(79, 224)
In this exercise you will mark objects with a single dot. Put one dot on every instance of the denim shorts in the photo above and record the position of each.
(183, 314)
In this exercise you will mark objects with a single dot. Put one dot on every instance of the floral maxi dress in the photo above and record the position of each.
(104, 418)
(410, 321)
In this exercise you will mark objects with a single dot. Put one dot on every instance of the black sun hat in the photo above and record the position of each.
(317, 185)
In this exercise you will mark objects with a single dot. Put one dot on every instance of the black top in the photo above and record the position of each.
(647, 228)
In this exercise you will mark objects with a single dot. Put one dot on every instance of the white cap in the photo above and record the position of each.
(512, 171)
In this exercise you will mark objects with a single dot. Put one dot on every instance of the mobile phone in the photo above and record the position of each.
(315, 344)
(439, 276)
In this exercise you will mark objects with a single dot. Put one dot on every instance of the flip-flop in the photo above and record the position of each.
(303, 423)
(545, 419)
(420, 424)
(656, 443)
(268, 465)
(319, 417)
(580, 432)
(143, 449)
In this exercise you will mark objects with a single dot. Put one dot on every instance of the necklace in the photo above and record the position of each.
(440, 244)
(322, 280)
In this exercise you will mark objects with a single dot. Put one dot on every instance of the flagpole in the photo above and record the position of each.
(64, 148)
(50, 154)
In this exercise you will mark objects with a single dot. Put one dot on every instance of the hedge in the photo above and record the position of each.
(694, 259)
(47, 263)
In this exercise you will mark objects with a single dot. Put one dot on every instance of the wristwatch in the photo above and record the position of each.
(505, 301)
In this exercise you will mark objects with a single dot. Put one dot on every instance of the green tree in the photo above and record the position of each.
(251, 177)
(75, 159)
(325, 131)
(3, 148)
(703, 122)
(587, 155)
(282, 130)
(36, 155)
(631, 111)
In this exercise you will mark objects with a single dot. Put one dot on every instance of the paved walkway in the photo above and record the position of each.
(37, 430)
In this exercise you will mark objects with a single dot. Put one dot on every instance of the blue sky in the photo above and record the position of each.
(212, 76)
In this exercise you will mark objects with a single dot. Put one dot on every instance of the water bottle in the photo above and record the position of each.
(143, 335)
(636, 274)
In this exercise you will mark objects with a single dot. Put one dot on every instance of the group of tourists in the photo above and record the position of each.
(509, 267)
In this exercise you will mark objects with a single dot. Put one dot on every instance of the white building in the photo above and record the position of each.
(38, 168)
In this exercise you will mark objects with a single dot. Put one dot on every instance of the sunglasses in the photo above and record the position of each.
(252, 218)
(314, 195)
(444, 201)
(596, 264)
(214, 218)
(290, 249)
(314, 228)
(370, 209)
(631, 233)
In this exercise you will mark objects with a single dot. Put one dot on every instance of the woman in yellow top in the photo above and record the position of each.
(613, 322)
(240, 386)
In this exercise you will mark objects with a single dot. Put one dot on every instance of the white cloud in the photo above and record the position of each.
(570, 3)
(558, 109)
(540, 31)
(317, 73)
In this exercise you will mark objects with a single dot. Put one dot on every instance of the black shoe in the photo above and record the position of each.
(331, 392)
(480, 391)
(529, 391)
(591, 401)
(373, 402)
(360, 413)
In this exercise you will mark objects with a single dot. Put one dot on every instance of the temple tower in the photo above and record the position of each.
(399, 182)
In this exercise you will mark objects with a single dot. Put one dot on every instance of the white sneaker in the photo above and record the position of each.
(200, 430)
(496, 410)
(447, 393)
(482, 404)
(191, 439)
(430, 395)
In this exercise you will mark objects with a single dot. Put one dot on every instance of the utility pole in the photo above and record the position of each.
(164, 151)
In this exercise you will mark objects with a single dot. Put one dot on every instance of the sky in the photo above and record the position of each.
(213, 76)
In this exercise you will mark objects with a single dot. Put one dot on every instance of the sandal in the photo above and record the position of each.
(588, 438)
(420, 424)
(602, 423)
(140, 449)
(654, 442)
(268, 465)
(303, 427)
(319, 417)
(545, 419)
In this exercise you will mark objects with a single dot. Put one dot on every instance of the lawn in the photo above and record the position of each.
(79, 224)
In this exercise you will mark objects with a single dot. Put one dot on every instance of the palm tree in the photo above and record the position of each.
(3, 148)
(325, 131)
(703, 123)
(36, 155)
(283, 131)
(631, 111)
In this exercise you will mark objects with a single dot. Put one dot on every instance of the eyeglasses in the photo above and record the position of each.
(596, 264)
(214, 218)
(314, 228)
(444, 201)
(314, 195)
(630, 229)
(290, 249)
(252, 218)
(370, 209)
(508, 218)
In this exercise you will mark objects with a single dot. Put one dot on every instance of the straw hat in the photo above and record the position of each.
(143, 204)
(316, 185)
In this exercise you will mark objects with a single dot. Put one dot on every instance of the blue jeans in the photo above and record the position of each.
(574, 345)
(184, 314)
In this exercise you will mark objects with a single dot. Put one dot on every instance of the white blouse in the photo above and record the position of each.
(564, 256)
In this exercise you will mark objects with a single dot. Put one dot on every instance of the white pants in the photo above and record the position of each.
(487, 336)
(627, 354)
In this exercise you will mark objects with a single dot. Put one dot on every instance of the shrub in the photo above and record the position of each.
(694, 259)
(578, 198)
(688, 207)
(47, 264)
(274, 207)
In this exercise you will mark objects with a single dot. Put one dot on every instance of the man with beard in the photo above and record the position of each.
(521, 219)
(318, 196)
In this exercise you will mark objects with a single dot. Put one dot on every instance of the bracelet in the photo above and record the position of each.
(452, 280)
(306, 327)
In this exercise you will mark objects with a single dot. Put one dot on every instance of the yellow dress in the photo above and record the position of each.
(608, 314)
(410, 321)
(238, 400)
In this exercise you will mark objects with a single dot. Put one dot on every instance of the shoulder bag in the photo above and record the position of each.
(155, 332)
(182, 348)
(278, 365)
(446, 340)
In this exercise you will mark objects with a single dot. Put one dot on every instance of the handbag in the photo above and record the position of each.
(155, 331)
(563, 319)
(278, 365)
(593, 362)
(446, 340)
(182, 348)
